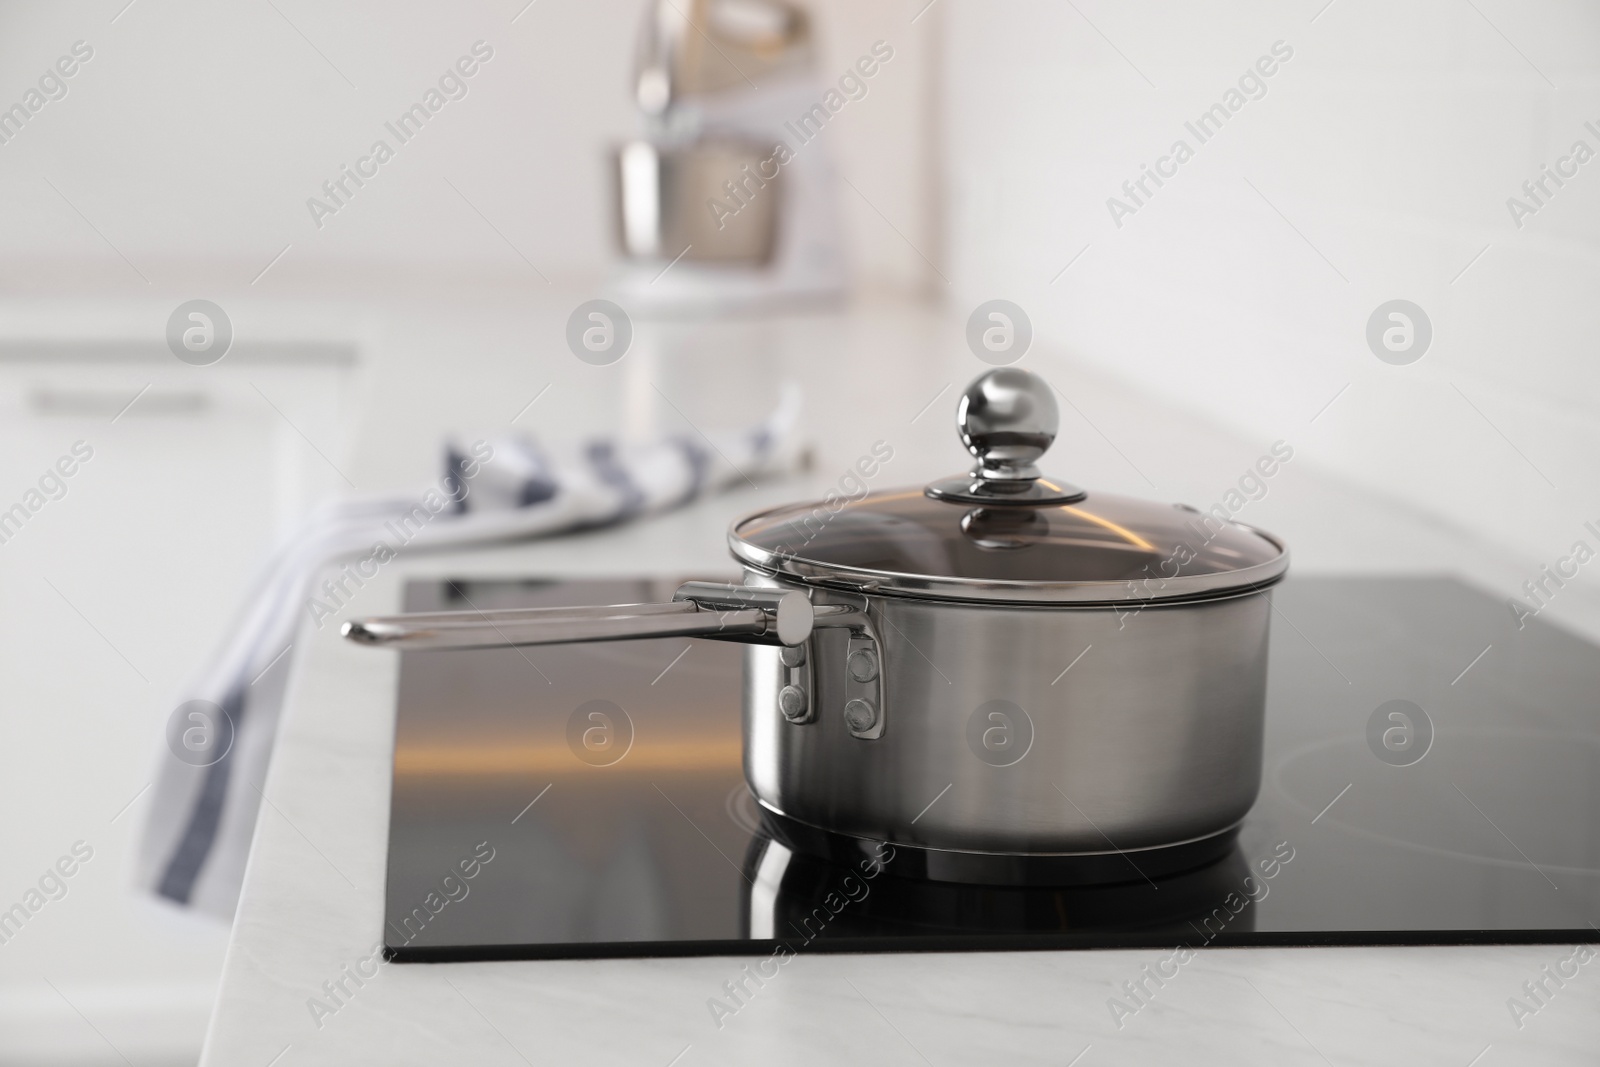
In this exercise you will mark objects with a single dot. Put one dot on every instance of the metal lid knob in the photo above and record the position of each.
(1007, 419)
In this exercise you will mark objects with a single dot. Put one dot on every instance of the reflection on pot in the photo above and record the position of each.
(1004, 528)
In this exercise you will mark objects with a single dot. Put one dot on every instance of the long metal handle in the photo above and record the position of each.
(480, 615)
(740, 613)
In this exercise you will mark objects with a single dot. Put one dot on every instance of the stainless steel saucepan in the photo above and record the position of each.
(997, 665)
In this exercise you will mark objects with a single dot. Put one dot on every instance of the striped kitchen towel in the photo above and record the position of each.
(219, 740)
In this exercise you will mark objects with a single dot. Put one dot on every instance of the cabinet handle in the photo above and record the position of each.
(106, 403)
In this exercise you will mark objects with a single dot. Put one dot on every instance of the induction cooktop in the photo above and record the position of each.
(1431, 776)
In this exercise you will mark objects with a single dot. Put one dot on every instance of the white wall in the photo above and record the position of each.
(195, 135)
(1390, 141)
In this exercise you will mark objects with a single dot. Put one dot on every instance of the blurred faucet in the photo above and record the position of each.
(721, 185)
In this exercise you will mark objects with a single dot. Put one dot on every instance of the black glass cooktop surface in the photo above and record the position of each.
(1432, 775)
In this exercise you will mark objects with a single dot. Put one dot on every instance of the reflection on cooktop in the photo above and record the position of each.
(799, 896)
(1432, 775)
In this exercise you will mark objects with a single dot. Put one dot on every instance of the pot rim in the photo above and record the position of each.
(1154, 590)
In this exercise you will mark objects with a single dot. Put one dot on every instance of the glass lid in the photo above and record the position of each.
(1005, 533)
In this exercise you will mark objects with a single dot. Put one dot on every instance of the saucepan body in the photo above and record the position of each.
(1016, 729)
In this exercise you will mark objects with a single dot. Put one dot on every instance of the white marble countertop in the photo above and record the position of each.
(313, 894)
